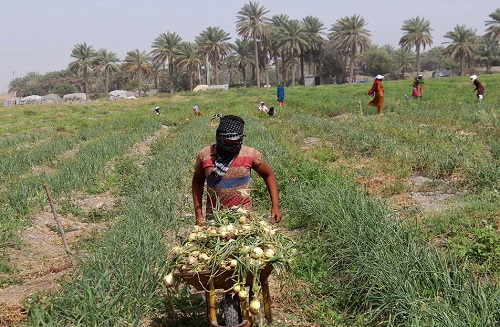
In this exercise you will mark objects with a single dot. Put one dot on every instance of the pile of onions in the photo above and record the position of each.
(236, 240)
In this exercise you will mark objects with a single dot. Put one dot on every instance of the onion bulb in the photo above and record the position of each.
(168, 280)
(203, 256)
(242, 294)
(176, 250)
(192, 260)
(233, 263)
(254, 306)
(236, 288)
(269, 253)
(192, 237)
(257, 252)
(241, 210)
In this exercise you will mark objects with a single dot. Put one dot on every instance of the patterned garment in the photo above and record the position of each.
(228, 191)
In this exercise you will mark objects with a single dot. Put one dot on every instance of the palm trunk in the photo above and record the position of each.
(139, 81)
(256, 52)
(244, 73)
(418, 60)
(461, 65)
(216, 69)
(171, 74)
(351, 66)
(301, 57)
(106, 80)
(276, 68)
(86, 83)
(191, 83)
(266, 70)
(292, 67)
(311, 63)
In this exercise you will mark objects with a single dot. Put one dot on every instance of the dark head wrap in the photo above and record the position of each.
(230, 128)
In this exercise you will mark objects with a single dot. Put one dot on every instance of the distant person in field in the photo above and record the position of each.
(272, 112)
(420, 86)
(157, 111)
(479, 87)
(280, 93)
(262, 108)
(414, 91)
(225, 168)
(377, 92)
(197, 111)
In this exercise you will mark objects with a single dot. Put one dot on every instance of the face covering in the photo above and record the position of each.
(229, 129)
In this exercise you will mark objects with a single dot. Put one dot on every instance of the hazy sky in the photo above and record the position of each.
(39, 35)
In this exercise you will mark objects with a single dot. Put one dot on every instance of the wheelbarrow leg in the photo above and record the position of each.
(267, 300)
(212, 305)
(207, 307)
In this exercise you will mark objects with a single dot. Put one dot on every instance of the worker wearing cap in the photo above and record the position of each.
(420, 86)
(479, 87)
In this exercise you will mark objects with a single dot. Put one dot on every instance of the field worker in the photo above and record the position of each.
(280, 93)
(196, 111)
(377, 92)
(479, 87)
(262, 108)
(420, 86)
(157, 110)
(226, 167)
(414, 92)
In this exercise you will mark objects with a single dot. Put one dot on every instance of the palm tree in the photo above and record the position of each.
(251, 23)
(313, 29)
(213, 44)
(417, 34)
(487, 52)
(137, 62)
(106, 63)
(274, 38)
(293, 41)
(435, 58)
(404, 60)
(85, 55)
(164, 51)
(241, 56)
(493, 30)
(461, 45)
(189, 59)
(350, 35)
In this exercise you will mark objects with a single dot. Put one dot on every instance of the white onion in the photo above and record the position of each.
(254, 306)
(168, 280)
(242, 294)
(233, 263)
(257, 252)
(269, 253)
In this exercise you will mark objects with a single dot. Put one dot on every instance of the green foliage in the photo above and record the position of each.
(360, 265)
(64, 88)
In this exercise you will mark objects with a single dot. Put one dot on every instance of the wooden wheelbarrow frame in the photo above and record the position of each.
(205, 281)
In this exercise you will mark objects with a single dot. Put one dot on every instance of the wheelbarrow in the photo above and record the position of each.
(225, 279)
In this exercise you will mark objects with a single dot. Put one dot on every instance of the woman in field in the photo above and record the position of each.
(377, 92)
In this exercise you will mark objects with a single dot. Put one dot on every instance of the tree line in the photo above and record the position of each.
(274, 49)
